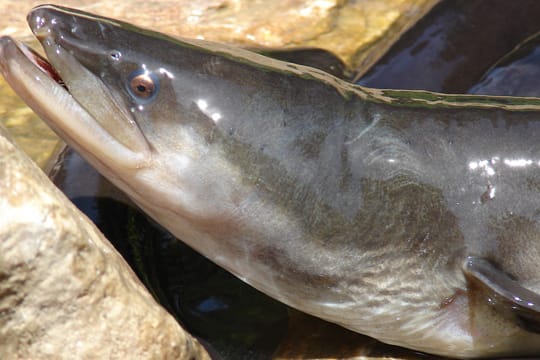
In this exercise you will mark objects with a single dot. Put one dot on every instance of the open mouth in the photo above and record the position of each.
(97, 124)
(41, 63)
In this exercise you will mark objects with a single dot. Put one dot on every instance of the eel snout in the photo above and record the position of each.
(8, 46)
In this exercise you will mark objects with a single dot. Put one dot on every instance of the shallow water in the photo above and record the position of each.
(28, 130)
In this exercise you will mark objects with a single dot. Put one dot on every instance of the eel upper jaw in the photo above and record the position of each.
(36, 81)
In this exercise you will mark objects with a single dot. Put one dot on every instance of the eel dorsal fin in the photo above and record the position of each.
(503, 291)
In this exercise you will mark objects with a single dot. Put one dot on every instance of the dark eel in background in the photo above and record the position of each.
(412, 217)
(449, 50)
(516, 74)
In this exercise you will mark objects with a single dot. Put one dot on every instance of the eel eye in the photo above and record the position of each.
(143, 86)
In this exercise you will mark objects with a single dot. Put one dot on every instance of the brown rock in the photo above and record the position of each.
(65, 292)
(359, 32)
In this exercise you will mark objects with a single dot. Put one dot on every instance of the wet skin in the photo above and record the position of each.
(454, 45)
(515, 74)
(408, 216)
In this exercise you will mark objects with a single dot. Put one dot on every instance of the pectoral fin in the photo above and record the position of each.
(504, 292)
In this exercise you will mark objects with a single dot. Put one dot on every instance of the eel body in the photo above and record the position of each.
(409, 216)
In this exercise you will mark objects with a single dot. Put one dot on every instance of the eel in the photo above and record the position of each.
(408, 216)
(450, 49)
(515, 74)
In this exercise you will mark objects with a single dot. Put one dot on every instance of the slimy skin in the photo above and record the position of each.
(412, 217)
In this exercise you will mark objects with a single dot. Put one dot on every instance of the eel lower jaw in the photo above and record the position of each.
(36, 81)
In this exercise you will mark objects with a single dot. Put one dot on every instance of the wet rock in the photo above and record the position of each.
(359, 32)
(65, 292)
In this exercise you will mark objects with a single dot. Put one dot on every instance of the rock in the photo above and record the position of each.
(359, 32)
(65, 292)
